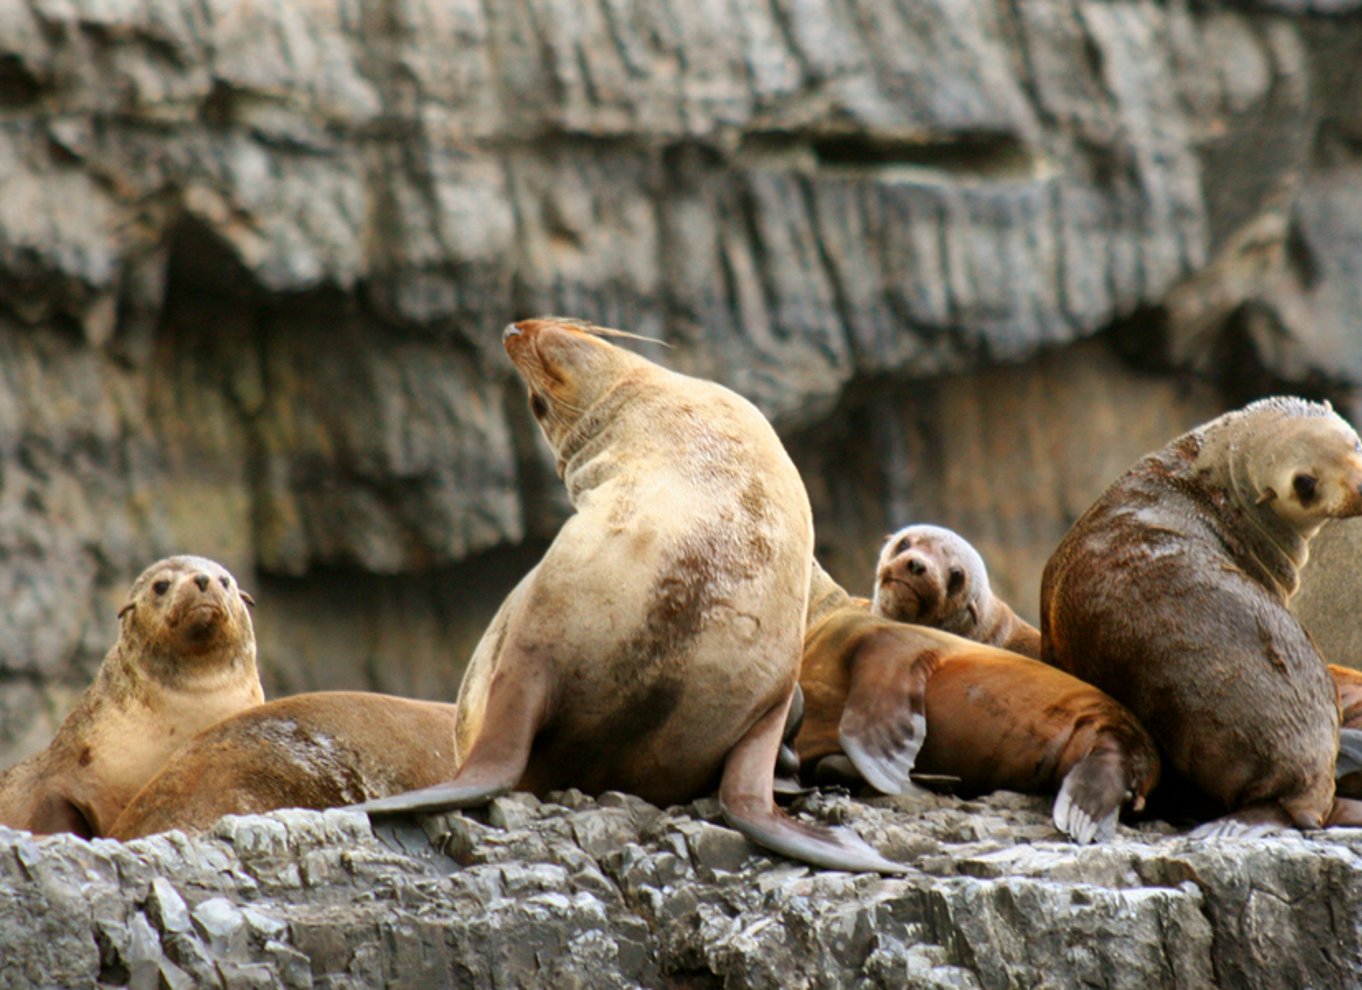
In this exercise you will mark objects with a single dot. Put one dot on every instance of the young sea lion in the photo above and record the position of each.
(185, 657)
(932, 576)
(897, 698)
(1170, 594)
(655, 648)
(319, 750)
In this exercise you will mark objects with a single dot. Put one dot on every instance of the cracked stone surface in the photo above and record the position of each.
(617, 893)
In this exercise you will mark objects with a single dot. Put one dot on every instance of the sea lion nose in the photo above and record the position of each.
(916, 566)
(512, 330)
(202, 581)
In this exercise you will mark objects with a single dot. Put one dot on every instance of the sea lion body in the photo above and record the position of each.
(1170, 594)
(897, 697)
(185, 658)
(655, 648)
(932, 576)
(320, 750)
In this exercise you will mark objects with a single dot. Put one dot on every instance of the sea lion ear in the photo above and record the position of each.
(1328, 405)
(1268, 495)
(245, 597)
(126, 609)
(973, 611)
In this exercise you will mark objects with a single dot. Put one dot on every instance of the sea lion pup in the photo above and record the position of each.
(655, 647)
(184, 659)
(897, 698)
(932, 576)
(1170, 594)
(320, 750)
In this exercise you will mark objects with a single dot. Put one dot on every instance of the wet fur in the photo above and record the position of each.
(319, 750)
(172, 672)
(993, 719)
(1170, 593)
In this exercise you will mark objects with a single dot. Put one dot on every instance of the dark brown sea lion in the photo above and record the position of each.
(655, 648)
(1171, 592)
(184, 659)
(320, 750)
(897, 698)
(932, 576)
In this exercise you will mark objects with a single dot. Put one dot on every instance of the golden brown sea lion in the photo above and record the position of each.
(655, 648)
(319, 750)
(897, 698)
(1170, 594)
(932, 576)
(185, 657)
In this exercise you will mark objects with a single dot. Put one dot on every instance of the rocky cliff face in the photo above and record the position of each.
(972, 258)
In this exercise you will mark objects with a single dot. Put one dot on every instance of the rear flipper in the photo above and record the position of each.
(787, 761)
(1090, 799)
(745, 795)
(1252, 822)
(884, 719)
(1345, 813)
(497, 759)
(1349, 753)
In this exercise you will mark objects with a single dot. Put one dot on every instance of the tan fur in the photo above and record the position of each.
(1170, 593)
(185, 658)
(655, 648)
(689, 517)
(319, 750)
(932, 576)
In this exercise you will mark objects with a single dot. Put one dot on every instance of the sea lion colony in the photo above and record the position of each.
(678, 628)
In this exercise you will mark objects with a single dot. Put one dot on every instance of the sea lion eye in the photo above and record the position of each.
(904, 544)
(161, 587)
(1304, 485)
(225, 582)
(955, 581)
(538, 406)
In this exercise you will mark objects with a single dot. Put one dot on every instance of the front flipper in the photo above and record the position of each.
(745, 795)
(1349, 752)
(884, 719)
(1089, 801)
(497, 759)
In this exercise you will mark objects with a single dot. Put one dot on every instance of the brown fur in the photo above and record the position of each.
(994, 719)
(185, 657)
(320, 750)
(932, 576)
(1170, 593)
(656, 646)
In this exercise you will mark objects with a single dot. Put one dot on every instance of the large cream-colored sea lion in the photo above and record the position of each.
(897, 698)
(184, 659)
(932, 576)
(1170, 594)
(320, 750)
(655, 648)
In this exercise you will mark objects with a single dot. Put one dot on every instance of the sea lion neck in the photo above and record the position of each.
(584, 454)
(1265, 544)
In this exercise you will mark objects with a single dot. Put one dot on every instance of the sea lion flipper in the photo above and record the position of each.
(1349, 752)
(497, 759)
(884, 720)
(1089, 800)
(745, 795)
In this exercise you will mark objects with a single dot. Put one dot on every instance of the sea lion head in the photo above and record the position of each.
(931, 576)
(1304, 464)
(568, 367)
(184, 612)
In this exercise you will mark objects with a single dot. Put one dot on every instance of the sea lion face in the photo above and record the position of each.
(929, 575)
(1310, 471)
(567, 367)
(187, 607)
